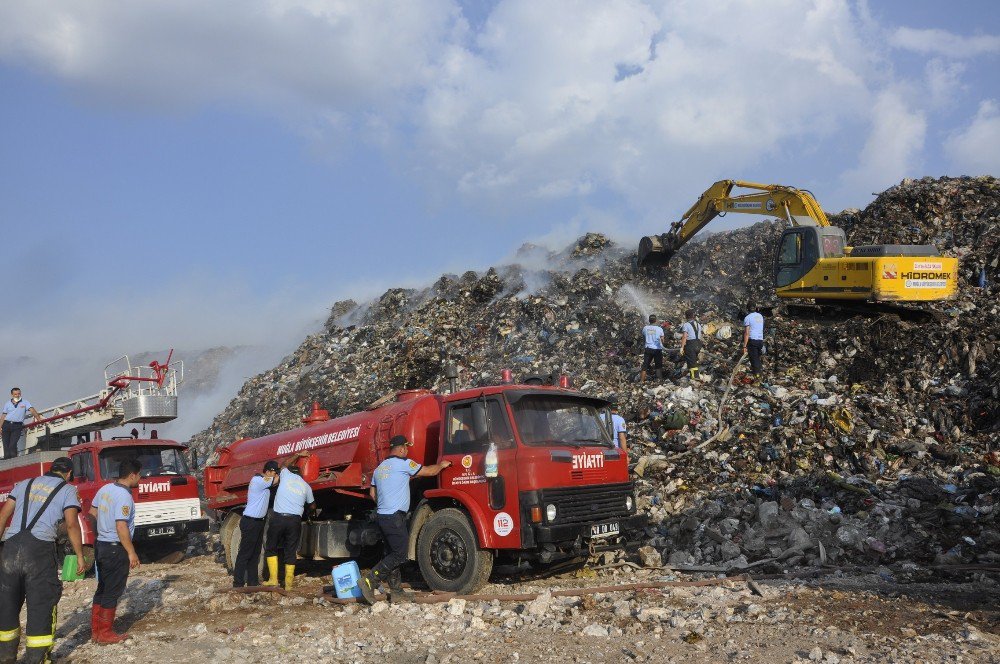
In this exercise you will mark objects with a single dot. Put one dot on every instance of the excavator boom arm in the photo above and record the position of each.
(796, 206)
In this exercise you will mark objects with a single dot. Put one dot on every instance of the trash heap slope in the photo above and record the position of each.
(871, 438)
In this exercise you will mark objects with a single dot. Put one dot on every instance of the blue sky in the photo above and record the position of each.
(191, 173)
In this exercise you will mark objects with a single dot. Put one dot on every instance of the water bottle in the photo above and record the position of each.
(492, 461)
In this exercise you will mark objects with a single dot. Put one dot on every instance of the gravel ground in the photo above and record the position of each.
(184, 614)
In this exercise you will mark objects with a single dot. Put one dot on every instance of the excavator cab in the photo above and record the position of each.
(800, 249)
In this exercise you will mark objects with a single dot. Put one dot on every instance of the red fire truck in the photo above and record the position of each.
(167, 502)
(561, 489)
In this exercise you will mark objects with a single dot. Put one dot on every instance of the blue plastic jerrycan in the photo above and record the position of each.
(345, 580)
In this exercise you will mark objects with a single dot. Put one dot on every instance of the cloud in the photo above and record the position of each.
(544, 101)
(893, 148)
(975, 150)
(317, 53)
(934, 41)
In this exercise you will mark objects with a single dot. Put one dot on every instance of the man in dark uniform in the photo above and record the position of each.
(252, 526)
(284, 531)
(115, 555)
(29, 563)
(390, 490)
(12, 417)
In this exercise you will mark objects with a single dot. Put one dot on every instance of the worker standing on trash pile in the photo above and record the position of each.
(252, 526)
(652, 354)
(285, 529)
(12, 421)
(391, 492)
(114, 552)
(29, 561)
(753, 339)
(691, 342)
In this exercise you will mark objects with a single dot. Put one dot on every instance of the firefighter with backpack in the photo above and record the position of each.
(29, 563)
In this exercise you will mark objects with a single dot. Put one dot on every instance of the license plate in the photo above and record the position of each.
(604, 529)
(162, 530)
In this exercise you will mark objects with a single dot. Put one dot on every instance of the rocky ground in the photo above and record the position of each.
(184, 613)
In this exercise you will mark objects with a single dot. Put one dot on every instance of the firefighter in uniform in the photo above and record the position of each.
(285, 527)
(115, 555)
(391, 492)
(252, 526)
(29, 564)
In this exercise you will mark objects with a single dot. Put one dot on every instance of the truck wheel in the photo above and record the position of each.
(231, 543)
(229, 535)
(449, 555)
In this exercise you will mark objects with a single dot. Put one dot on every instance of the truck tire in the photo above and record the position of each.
(229, 526)
(449, 556)
(231, 544)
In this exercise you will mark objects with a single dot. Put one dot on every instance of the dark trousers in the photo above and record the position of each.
(692, 349)
(11, 433)
(653, 357)
(755, 349)
(283, 534)
(28, 573)
(396, 536)
(111, 559)
(248, 557)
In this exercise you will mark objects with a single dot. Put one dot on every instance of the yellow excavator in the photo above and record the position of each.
(812, 260)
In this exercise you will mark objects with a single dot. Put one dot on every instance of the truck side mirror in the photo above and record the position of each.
(480, 425)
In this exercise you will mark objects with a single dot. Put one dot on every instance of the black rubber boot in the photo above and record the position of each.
(397, 593)
(367, 584)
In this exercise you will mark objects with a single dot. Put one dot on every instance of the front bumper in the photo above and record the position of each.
(170, 529)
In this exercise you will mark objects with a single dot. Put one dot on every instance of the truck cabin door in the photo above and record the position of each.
(467, 452)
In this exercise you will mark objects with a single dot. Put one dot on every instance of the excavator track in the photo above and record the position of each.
(850, 309)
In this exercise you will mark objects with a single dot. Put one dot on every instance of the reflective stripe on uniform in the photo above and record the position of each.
(40, 641)
(10, 635)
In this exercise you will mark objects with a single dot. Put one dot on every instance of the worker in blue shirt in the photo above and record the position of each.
(284, 530)
(652, 354)
(12, 418)
(114, 509)
(391, 492)
(753, 339)
(691, 341)
(252, 526)
(28, 562)
(618, 427)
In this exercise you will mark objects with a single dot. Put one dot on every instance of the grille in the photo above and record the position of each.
(588, 504)
(589, 474)
(165, 511)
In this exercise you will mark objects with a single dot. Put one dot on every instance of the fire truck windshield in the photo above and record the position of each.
(155, 461)
(559, 420)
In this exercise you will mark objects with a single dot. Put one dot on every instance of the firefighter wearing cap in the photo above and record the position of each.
(252, 526)
(29, 560)
(391, 492)
(285, 528)
(114, 553)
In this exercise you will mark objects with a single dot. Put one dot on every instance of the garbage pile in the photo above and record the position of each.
(870, 439)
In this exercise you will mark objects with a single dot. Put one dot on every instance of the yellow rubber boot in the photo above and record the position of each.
(272, 571)
(289, 576)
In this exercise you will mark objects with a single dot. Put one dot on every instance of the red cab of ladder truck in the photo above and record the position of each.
(167, 504)
(558, 489)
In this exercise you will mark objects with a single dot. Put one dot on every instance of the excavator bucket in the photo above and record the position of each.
(654, 251)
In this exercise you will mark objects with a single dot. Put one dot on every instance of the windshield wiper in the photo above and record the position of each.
(599, 441)
(554, 441)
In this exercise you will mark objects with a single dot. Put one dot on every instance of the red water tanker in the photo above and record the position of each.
(561, 490)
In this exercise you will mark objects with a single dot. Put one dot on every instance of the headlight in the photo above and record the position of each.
(628, 503)
(195, 512)
(550, 512)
